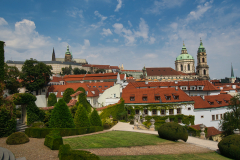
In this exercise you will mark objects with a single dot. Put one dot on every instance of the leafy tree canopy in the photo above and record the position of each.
(79, 71)
(52, 99)
(67, 94)
(35, 75)
(81, 118)
(10, 78)
(100, 71)
(67, 70)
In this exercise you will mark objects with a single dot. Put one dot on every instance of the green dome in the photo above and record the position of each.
(184, 56)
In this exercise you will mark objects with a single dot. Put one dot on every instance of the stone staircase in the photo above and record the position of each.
(20, 128)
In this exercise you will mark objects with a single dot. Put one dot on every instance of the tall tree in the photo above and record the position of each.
(67, 94)
(95, 119)
(81, 118)
(35, 75)
(52, 99)
(2, 61)
(11, 79)
(67, 70)
(231, 119)
(79, 71)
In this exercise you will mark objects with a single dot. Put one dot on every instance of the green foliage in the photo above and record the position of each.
(42, 132)
(34, 113)
(95, 119)
(231, 120)
(81, 89)
(79, 71)
(53, 140)
(66, 153)
(114, 110)
(35, 75)
(23, 98)
(67, 70)
(47, 117)
(100, 71)
(38, 125)
(7, 122)
(2, 61)
(17, 138)
(83, 101)
(194, 132)
(52, 99)
(81, 118)
(67, 94)
(230, 146)
(173, 131)
(73, 110)
(11, 82)
(61, 116)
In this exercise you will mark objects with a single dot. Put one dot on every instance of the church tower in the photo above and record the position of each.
(202, 67)
(68, 55)
(185, 62)
(53, 55)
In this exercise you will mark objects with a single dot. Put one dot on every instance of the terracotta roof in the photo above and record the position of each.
(57, 79)
(46, 108)
(76, 94)
(131, 70)
(164, 71)
(211, 131)
(151, 93)
(72, 102)
(212, 101)
(114, 67)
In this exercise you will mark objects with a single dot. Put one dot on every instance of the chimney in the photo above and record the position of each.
(176, 88)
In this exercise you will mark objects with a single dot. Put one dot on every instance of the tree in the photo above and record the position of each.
(35, 75)
(67, 70)
(2, 61)
(100, 71)
(81, 89)
(79, 71)
(67, 94)
(11, 81)
(52, 99)
(231, 120)
(95, 119)
(61, 116)
(81, 117)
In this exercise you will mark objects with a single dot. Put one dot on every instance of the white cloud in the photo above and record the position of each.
(118, 6)
(174, 26)
(152, 40)
(106, 32)
(74, 12)
(129, 23)
(115, 40)
(100, 16)
(86, 43)
(150, 55)
(2, 21)
(59, 38)
(143, 29)
(118, 28)
(98, 24)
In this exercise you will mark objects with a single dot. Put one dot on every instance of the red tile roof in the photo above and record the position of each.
(213, 101)
(150, 93)
(76, 94)
(131, 70)
(72, 102)
(57, 79)
(163, 71)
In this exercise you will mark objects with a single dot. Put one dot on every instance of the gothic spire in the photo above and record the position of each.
(53, 55)
(232, 73)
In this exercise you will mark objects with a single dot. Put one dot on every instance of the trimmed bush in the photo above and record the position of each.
(230, 146)
(81, 118)
(67, 94)
(83, 101)
(173, 131)
(106, 126)
(38, 125)
(52, 99)
(61, 116)
(66, 153)
(17, 138)
(42, 132)
(95, 119)
(53, 140)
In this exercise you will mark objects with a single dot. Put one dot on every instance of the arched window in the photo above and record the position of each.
(189, 67)
(204, 72)
(181, 67)
(203, 59)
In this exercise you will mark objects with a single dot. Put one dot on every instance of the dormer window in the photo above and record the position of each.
(200, 88)
(100, 86)
(176, 97)
(168, 97)
(211, 103)
(192, 88)
(144, 98)
(219, 102)
(157, 98)
(226, 101)
(132, 98)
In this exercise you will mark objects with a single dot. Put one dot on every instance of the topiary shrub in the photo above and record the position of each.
(173, 131)
(66, 153)
(83, 101)
(17, 138)
(95, 119)
(61, 116)
(34, 113)
(52, 99)
(106, 126)
(81, 89)
(53, 140)
(230, 146)
(81, 118)
(67, 94)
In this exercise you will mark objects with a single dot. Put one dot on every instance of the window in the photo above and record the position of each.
(226, 101)
(94, 86)
(219, 102)
(105, 86)
(213, 117)
(136, 111)
(163, 111)
(154, 111)
(184, 88)
(157, 98)
(145, 111)
(168, 97)
(181, 67)
(192, 88)
(179, 120)
(170, 111)
(100, 86)
(211, 103)
(189, 67)
(189, 108)
(114, 95)
(132, 98)
(217, 117)
(62, 93)
(178, 110)
(202, 116)
(204, 72)
(203, 60)
(221, 116)
(200, 88)
(176, 97)
(144, 98)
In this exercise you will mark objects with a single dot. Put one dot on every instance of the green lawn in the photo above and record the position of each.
(202, 156)
(114, 139)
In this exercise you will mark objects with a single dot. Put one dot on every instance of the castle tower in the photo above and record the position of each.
(68, 55)
(202, 67)
(53, 55)
(185, 62)
(144, 72)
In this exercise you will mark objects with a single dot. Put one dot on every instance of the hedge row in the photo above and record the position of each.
(53, 140)
(42, 132)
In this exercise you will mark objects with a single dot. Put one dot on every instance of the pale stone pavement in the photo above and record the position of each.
(121, 126)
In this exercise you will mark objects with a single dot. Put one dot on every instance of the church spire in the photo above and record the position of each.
(53, 55)
(232, 73)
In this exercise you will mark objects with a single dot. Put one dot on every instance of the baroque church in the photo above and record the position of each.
(184, 68)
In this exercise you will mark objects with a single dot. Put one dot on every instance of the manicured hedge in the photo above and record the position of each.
(173, 131)
(53, 140)
(42, 132)
(17, 138)
(66, 153)
(230, 146)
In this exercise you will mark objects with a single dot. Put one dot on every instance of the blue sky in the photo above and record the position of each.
(129, 32)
